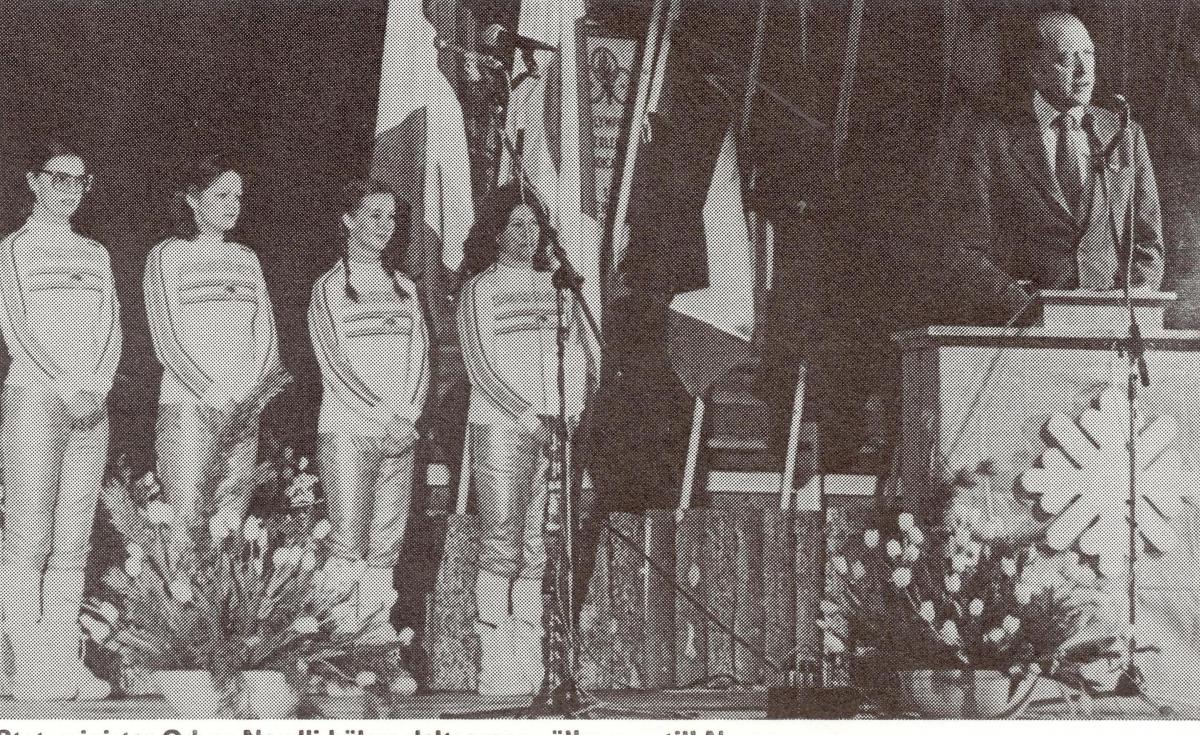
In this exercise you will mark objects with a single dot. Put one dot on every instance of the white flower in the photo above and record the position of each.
(1011, 624)
(927, 612)
(252, 528)
(902, 577)
(403, 684)
(302, 464)
(911, 553)
(905, 521)
(833, 644)
(960, 563)
(995, 635)
(953, 584)
(218, 529)
(406, 636)
(308, 560)
(322, 529)
(365, 678)
(286, 556)
(893, 548)
(1009, 566)
(840, 565)
(915, 536)
(871, 538)
(181, 589)
(108, 611)
(135, 551)
(159, 513)
(949, 633)
(1023, 593)
(829, 609)
(306, 625)
(976, 607)
(857, 571)
(133, 566)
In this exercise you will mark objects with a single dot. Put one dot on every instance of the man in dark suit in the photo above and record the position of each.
(1033, 204)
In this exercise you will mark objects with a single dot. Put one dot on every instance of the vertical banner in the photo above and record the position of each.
(421, 150)
(606, 92)
(546, 110)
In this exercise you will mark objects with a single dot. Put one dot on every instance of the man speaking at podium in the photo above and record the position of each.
(1046, 194)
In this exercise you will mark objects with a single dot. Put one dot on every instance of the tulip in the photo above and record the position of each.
(218, 529)
(1009, 566)
(927, 612)
(279, 557)
(902, 577)
(857, 571)
(135, 551)
(911, 553)
(181, 590)
(833, 644)
(829, 609)
(915, 536)
(308, 560)
(406, 636)
(302, 464)
(403, 684)
(251, 528)
(953, 584)
(1023, 593)
(949, 633)
(893, 548)
(306, 625)
(1011, 624)
(108, 611)
(365, 678)
(159, 513)
(322, 529)
(960, 563)
(840, 565)
(976, 607)
(905, 521)
(995, 635)
(133, 566)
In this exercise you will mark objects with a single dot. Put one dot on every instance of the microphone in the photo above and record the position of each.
(485, 60)
(498, 37)
(1126, 133)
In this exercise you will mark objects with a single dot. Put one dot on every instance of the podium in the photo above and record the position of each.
(985, 394)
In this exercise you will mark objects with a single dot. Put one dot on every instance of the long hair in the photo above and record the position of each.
(203, 173)
(350, 200)
(481, 249)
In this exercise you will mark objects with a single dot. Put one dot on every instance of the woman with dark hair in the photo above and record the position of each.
(507, 327)
(214, 333)
(372, 342)
(61, 328)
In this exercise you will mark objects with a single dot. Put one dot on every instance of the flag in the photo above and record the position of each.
(545, 107)
(421, 150)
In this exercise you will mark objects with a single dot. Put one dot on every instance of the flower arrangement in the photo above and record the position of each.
(230, 596)
(923, 599)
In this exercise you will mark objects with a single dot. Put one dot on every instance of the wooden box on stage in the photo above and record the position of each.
(979, 394)
(758, 571)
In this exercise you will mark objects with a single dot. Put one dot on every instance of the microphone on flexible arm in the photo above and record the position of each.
(485, 60)
(1126, 134)
(498, 37)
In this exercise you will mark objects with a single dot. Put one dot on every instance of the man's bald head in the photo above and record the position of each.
(1064, 62)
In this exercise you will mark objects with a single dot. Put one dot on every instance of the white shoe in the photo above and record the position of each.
(497, 664)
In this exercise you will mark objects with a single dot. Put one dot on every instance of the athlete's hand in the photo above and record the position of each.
(85, 409)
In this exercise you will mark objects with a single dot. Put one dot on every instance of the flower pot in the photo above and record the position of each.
(953, 693)
(267, 695)
(190, 691)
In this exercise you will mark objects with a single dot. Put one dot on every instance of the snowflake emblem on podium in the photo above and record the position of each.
(1084, 481)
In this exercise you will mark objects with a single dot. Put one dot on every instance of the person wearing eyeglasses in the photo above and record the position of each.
(371, 340)
(213, 330)
(61, 326)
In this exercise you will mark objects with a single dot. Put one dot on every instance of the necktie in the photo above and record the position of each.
(1066, 163)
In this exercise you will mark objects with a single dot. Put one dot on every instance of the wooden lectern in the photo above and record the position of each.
(976, 394)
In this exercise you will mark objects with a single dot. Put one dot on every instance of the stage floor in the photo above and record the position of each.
(695, 704)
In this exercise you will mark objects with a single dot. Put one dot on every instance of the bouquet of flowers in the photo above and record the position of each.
(921, 599)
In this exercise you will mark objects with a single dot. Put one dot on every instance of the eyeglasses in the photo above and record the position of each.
(64, 180)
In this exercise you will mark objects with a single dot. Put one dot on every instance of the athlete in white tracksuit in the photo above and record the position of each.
(372, 342)
(507, 326)
(61, 328)
(214, 333)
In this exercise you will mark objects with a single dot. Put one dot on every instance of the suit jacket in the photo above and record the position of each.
(1006, 219)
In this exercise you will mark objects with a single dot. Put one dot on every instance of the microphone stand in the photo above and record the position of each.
(1131, 682)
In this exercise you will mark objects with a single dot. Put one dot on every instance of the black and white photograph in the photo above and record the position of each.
(651, 360)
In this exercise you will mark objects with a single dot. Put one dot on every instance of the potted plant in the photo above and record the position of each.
(966, 625)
